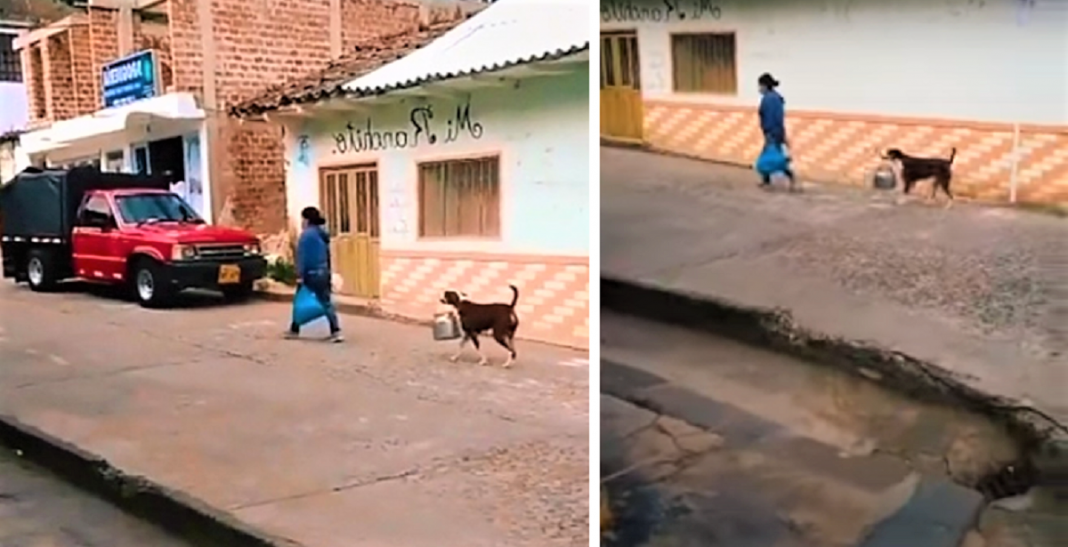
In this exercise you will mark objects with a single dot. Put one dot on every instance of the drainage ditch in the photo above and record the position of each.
(986, 451)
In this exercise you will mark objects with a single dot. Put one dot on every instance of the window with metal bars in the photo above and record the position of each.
(704, 63)
(10, 64)
(460, 198)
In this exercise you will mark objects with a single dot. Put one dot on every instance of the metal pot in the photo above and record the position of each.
(884, 178)
(446, 326)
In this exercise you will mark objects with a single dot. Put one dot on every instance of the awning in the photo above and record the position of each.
(508, 33)
(111, 122)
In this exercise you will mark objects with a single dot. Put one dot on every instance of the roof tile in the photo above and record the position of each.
(326, 83)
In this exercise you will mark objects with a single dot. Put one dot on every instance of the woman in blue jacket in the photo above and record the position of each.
(773, 122)
(313, 267)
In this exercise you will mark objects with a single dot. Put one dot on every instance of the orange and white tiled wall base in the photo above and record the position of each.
(553, 291)
(846, 149)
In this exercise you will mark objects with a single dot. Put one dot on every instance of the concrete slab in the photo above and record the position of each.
(212, 402)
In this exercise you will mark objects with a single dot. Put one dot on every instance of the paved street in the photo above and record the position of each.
(39, 510)
(710, 443)
(972, 289)
(378, 441)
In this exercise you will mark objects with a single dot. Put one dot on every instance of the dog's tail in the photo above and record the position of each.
(515, 294)
(952, 155)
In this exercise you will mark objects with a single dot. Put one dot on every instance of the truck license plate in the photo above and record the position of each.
(229, 274)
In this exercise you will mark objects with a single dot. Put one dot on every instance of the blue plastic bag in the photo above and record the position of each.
(772, 159)
(306, 307)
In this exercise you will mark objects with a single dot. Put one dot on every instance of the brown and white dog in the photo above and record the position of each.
(914, 169)
(478, 318)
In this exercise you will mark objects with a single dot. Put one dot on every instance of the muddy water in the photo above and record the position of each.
(39, 509)
(845, 454)
(829, 406)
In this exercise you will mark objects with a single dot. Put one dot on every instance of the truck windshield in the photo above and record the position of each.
(151, 208)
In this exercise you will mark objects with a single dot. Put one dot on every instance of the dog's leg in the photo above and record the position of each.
(478, 348)
(949, 194)
(505, 340)
(463, 342)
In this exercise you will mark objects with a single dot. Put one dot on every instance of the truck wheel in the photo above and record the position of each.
(149, 286)
(238, 293)
(40, 270)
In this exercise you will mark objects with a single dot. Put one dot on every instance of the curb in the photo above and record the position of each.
(175, 512)
(776, 330)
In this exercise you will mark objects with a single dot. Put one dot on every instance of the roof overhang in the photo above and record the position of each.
(508, 33)
(109, 122)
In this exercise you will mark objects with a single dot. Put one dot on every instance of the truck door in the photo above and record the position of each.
(95, 242)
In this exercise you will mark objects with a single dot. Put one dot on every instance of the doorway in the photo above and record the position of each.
(166, 159)
(621, 90)
(349, 197)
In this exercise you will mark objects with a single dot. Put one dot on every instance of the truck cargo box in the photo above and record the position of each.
(43, 203)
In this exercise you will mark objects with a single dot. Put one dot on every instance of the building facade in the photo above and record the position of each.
(466, 183)
(858, 77)
(15, 114)
(147, 85)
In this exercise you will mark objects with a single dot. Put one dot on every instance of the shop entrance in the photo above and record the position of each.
(349, 197)
(621, 90)
(165, 158)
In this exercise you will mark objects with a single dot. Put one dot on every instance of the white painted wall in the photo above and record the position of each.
(538, 126)
(980, 60)
(15, 113)
(12, 160)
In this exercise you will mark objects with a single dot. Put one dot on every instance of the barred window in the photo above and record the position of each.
(10, 65)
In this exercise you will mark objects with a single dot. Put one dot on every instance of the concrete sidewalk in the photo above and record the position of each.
(378, 441)
(969, 289)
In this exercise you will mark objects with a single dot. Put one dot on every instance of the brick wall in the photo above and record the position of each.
(103, 45)
(33, 74)
(362, 20)
(257, 45)
(59, 77)
(85, 80)
(58, 71)
(157, 37)
(187, 55)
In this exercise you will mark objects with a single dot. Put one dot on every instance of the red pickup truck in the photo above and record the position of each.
(119, 229)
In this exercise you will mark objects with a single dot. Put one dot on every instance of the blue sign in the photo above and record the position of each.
(130, 79)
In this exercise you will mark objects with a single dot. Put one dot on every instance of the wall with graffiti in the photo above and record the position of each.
(538, 127)
(974, 60)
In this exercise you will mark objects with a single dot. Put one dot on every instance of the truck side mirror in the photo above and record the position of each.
(103, 222)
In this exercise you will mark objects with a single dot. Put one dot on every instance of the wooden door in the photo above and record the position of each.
(349, 199)
(621, 91)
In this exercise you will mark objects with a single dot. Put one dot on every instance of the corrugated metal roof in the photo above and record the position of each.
(508, 33)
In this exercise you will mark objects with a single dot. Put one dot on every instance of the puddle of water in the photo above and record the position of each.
(820, 403)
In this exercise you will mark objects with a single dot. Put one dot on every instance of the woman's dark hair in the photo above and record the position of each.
(768, 81)
(313, 216)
